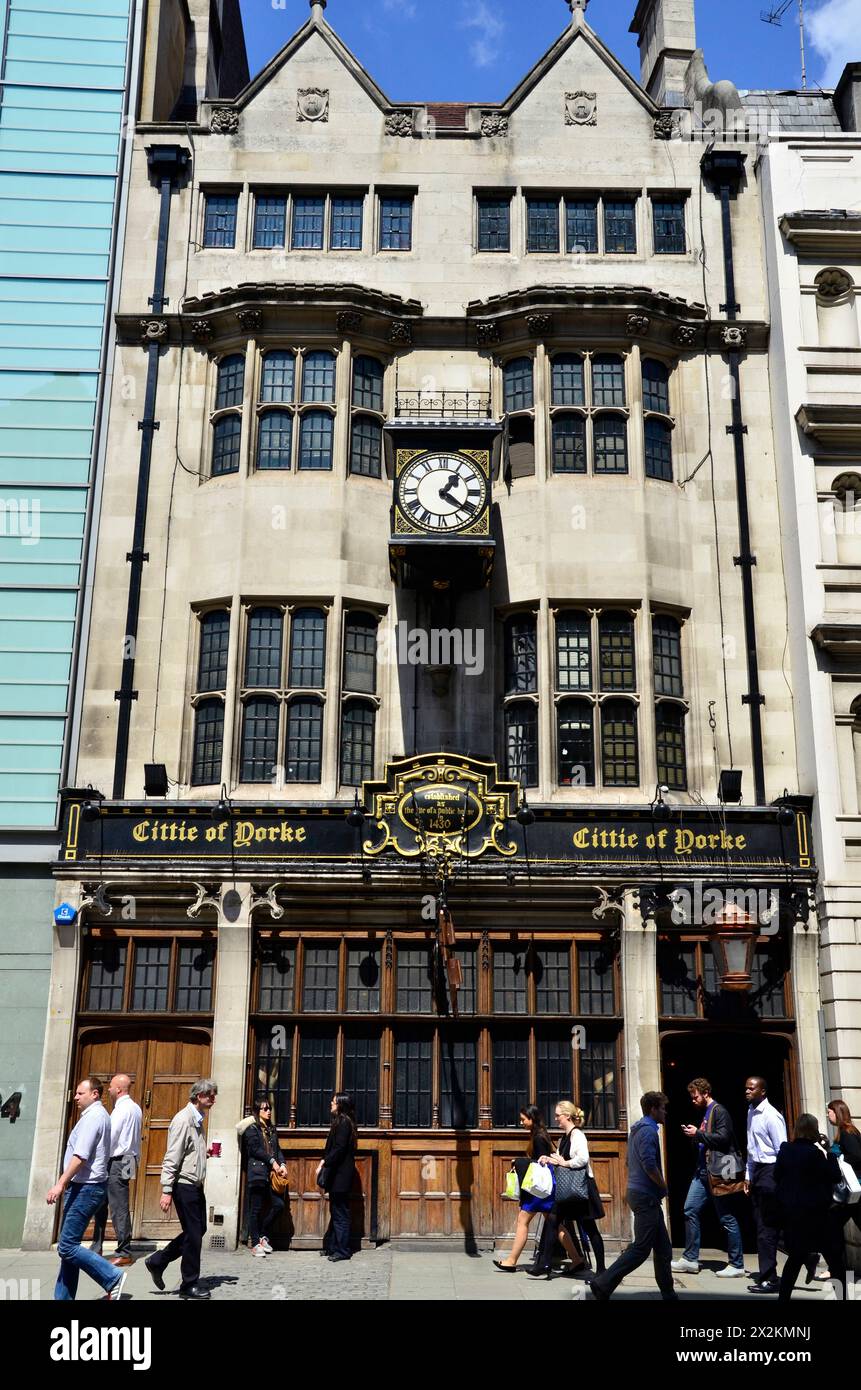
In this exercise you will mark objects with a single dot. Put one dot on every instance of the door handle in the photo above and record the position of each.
(147, 1100)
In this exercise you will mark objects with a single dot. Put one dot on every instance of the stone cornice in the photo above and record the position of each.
(836, 426)
(842, 641)
(830, 232)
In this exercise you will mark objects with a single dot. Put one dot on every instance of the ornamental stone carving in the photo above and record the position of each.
(539, 325)
(204, 899)
(638, 325)
(201, 330)
(401, 332)
(664, 125)
(250, 319)
(349, 321)
(581, 108)
(734, 337)
(154, 330)
(312, 104)
(487, 334)
(833, 284)
(224, 120)
(400, 123)
(686, 335)
(494, 124)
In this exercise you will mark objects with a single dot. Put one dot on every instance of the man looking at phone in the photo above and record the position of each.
(718, 1176)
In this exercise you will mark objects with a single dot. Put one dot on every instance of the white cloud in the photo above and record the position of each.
(484, 49)
(404, 9)
(834, 30)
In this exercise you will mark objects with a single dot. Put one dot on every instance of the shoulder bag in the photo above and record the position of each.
(731, 1184)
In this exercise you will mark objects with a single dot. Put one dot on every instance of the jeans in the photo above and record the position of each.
(191, 1210)
(117, 1198)
(336, 1241)
(83, 1200)
(699, 1196)
(650, 1238)
(264, 1208)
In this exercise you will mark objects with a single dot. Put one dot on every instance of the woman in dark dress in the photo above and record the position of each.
(540, 1145)
(805, 1177)
(847, 1141)
(263, 1155)
(335, 1173)
(573, 1152)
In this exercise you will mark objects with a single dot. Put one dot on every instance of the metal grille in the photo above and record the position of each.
(318, 378)
(656, 386)
(308, 648)
(619, 744)
(415, 980)
(542, 224)
(219, 222)
(670, 746)
(308, 217)
(273, 1071)
(620, 227)
(320, 979)
(510, 1079)
(208, 742)
(107, 975)
(616, 648)
(413, 1070)
(270, 222)
(596, 980)
(569, 444)
(667, 653)
(357, 744)
(611, 444)
(521, 743)
(259, 741)
(576, 743)
(316, 1078)
(217, 1242)
(277, 977)
(396, 224)
(509, 980)
(517, 386)
(659, 450)
(263, 656)
(608, 380)
(581, 222)
(599, 1084)
(194, 978)
(361, 1075)
(366, 447)
(363, 980)
(360, 653)
(275, 439)
(368, 376)
(214, 643)
(568, 380)
(669, 215)
(458, 1091)
(315, 440)
(554, 1058)
(521, 655)
(346, 224)
(494, 224)
(231, 382)
(278, 382)
(677, 969)
(304, 741)
(151, 976)
(226, 435)
(552, 969)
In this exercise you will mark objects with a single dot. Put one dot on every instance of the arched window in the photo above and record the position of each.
(275, 439)
(278, 379)
(214, 642)
(517, 386)
(608, 379)
(619, 755)
(308, 649)
(208, 743)
(573, 651)
(575, 743)
(318, 377)
(616, 648)
(521, 742)
(360, 653)
(231, 382)
(259, 740)
(569, 443)
(368, 376)
(303, 758)
(226, 436)
(521, 654)
(568, 380)
(611, 444)
(263, 648)
(670, 745)
(315, 440)
(357, 743)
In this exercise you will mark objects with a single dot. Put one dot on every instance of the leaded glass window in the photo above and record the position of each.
(669, 215)
(542, 224)
(208, 743)
(346, 234)
(554, 1065)
(308, 218)
(599, 1087)
(265, 640)
(270, 222)
(226, 436)
(573, 651)
(518, 393)
(363, 979)
(308, 648)
(194, 977)
(494, 224)
(214, 641)
(316, 1079)
(415, 980)
(509, 980)
(278, 382)
(576, 742)
(413, 1082)
(569, 444)
(551, 968)
(368, 376)
(231, 382)
(568, 382)
(315, 440)
(362, 1075)
(458, 1082)
(667, 653)
(620, 226)
(151, 976)
(510, 1078)
(659, 450)
(357, 744)
(219, 220)
(596, 980)
(608, 379)
(107, 976)
(366, 447)
(581, 219)
(670, 745)
(275, 440)
(656, 386)
(303, 762)
(318, 378)
(616, 648)
(521, 655)
(521, 743)
(320, 979)
(277, 978)
(396, 224)
(619, 744)
(360, 653)
(611, 444)
(259, 741)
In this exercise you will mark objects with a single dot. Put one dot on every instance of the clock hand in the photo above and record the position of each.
(445, 492)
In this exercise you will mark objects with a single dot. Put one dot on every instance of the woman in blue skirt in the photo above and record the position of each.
(540, 1145)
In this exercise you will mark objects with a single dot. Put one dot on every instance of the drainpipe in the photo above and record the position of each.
(167, 164)
(724, 171)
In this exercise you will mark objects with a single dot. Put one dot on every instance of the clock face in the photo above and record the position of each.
(442, 492)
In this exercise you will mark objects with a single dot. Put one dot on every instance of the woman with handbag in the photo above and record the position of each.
(577, 1197)
(264, 1162)
(846, 1146)
(335, 1173)
(539, 1146)
(805, 1177)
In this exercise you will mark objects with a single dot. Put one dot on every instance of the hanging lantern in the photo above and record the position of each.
(733, 940)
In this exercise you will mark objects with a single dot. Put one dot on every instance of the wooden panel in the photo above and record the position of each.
(103, 1055)
(174, 1063)
(306, 1210)
(432, 1193)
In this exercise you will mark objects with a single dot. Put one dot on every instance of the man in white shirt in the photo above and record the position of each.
(126, 1121)
(85, 1175)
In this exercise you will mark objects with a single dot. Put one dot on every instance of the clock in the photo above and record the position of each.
(442, 493)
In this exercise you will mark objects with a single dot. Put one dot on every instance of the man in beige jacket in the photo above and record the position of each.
(183, 1174)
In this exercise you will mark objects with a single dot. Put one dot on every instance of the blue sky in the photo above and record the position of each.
(477, 50)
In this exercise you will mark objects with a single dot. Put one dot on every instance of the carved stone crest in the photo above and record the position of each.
(494, 124)
(312, 104)
(539, 325)
(581, 108)
(832, 284)
(686, 335)
(349, 321)
(201, 330)
(224, 120)
(638, 325)
(401, 332)
(250, 319)
(487, 334)
(664, 125)
(154, 330)
(734, 337)
(400, 123)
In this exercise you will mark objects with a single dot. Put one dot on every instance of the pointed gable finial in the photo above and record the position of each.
(317, 8)
(578, 9)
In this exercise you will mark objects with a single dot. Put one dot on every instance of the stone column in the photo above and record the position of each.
(639, 1004)
(805, 989)
(229, 1037)
(49, 1140)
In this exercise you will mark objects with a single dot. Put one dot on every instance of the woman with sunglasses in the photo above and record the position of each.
(262, 1156)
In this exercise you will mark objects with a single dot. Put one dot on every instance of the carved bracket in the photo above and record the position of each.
(267, 899)
(609, 902)
(204, 899)
(154, 330)
(97, 899)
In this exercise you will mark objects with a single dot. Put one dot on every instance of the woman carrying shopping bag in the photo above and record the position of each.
(583, 1206)
(539, 1146)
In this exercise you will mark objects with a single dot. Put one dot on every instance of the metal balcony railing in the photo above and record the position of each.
(442, 405)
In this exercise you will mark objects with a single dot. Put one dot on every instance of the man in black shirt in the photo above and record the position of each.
(717, 1177)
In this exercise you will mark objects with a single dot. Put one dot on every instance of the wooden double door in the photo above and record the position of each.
(163, 1064)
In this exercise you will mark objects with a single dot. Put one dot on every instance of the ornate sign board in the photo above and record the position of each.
(430, 808)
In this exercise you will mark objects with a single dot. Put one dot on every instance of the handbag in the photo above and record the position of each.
(721, 1186)
(278, 1182)
(512, 1187)
(572, 1184)
(848, 1191)
(539, 1180)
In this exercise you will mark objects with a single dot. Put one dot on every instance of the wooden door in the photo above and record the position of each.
(103, 1055)
(433, 1193)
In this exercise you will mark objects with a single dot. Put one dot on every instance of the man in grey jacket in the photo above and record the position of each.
(183, 1174)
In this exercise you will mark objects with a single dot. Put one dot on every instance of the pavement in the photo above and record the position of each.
(377, 1275)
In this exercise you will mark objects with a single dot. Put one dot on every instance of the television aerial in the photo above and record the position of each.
(775, 16)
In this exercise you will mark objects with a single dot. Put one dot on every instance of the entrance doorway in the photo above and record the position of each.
(726, 1058)
(163, 1065)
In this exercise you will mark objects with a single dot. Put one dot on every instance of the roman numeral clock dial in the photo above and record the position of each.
(442, 493)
